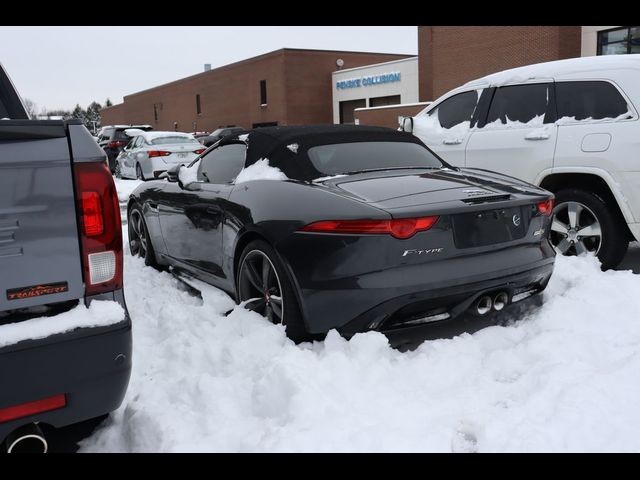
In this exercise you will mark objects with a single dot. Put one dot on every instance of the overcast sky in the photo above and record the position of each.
(57, 67)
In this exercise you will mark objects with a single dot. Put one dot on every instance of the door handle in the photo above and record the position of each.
(453, 141)
(535, 138)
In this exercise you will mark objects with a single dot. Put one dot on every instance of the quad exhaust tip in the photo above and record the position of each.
(500, 301)
(26, 439)
(483, 305)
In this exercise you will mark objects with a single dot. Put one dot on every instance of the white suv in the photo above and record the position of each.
(570, 126)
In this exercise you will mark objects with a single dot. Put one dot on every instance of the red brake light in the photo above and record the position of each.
(31, 408)
(116, 143)
(92, 218)
(546, 207)
(100, 227)
(401, 228)
(199, 151)
(158, 153)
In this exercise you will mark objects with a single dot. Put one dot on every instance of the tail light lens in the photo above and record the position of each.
(116, 143)
(546, 207)
(31, 408)
(158, 153)
(401, 228)
(100, 227)
(199, 151)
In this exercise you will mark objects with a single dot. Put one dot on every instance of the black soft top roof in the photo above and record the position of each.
(276, 144)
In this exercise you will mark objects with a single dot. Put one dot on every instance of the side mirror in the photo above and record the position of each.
(172, 174)
(406, 124)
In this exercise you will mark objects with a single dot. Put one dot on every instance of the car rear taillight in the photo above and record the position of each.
(116, 143)
(158, 153)
(401, 228)
(546, 207)
(31, 408)
(199, 151)
(100, 227)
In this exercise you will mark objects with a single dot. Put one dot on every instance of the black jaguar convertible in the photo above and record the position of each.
(347, 227)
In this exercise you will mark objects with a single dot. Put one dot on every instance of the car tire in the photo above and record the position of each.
(290, 309)
(612, 244)
(139, 241)
(118, 172)
(139, 173)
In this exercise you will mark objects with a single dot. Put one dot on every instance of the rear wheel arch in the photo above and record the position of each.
(242, 243)
(588, 182)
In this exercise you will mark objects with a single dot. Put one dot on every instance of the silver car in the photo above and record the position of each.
(149, 154)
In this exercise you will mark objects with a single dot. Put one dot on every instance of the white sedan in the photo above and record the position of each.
(149, 154)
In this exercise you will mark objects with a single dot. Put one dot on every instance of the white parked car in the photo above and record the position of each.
(570, 126)
(149, 154)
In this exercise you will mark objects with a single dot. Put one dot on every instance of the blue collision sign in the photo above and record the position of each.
(368, 81)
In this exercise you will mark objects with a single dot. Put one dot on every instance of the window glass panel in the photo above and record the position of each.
(614, 36)
(520, 103)
(223, 164)
(455, 110)
(615, 48)
(584, 100)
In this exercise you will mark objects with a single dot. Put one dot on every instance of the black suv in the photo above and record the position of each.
(220, 133)
(112, 139)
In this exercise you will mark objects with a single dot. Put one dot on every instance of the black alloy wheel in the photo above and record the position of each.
(264, 286)
(139, 242)
(260, 286)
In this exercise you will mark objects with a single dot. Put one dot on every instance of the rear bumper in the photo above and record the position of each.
(347, 283)
(91, 366)
(453, 303)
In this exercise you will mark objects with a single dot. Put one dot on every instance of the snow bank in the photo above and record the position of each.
(125, 188)
(99, 314)
(564, 378)
(260, 171)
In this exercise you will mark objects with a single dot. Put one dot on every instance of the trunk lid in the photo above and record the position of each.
(39, 249)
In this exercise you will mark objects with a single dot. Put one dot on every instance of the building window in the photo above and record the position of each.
(620, 40)
(198, 109)
(383, 101)
(347, 108)
(263, 92)
(155, 112)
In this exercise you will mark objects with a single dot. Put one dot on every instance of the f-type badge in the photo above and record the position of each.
(428, 251)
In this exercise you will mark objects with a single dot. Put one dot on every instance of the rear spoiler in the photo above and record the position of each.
(11, 105)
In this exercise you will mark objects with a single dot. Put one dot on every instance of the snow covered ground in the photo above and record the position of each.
(565, 378)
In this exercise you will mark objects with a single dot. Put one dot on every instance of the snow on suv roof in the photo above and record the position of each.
(560, 68)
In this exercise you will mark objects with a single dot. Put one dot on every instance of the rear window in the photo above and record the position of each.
(119, 135)
(173, 140)
(359, 156)
(589, 100)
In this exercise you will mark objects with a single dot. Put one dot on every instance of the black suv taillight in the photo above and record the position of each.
(100, 227)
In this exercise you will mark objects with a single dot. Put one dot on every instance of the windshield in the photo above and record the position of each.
(356, 157)
(173, 140)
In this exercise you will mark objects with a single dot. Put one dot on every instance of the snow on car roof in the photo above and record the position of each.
(559, 68)
(149, 136)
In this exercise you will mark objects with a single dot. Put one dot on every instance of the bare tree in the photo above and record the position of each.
(32, 107)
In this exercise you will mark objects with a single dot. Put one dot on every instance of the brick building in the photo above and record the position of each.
(284, 87)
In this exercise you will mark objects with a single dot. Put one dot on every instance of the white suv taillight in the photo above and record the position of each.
(100, 227)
